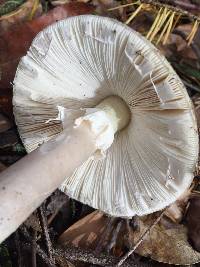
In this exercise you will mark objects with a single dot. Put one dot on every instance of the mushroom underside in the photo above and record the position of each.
(80, 61)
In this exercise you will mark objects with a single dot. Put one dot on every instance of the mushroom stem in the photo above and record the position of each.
(27, 183)
(117, 111)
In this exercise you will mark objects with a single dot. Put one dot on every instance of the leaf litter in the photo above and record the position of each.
(175, 238)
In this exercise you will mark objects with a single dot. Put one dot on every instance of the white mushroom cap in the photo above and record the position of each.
(76, 63)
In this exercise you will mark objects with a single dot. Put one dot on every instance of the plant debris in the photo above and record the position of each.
(61, 232)
(193, 222)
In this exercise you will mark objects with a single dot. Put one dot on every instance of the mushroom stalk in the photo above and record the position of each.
(26, 184)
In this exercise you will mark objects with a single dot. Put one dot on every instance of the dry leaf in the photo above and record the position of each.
(166, 242)
(182, 47)
(86, 232)
(14, 43)
(193, 222)
(19, 15)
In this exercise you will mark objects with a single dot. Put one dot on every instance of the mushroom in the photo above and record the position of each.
(108, 118)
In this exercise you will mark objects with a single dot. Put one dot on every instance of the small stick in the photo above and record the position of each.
(191, 86)
(162, 5)
(129, 231)
(34, 262)
(134, 14)
(173, 8)
(126, 5)
(39, 251)
(18, 246)
(86, 256)
(51, 218)
(182, 4)
(124, 258)
(44, 226)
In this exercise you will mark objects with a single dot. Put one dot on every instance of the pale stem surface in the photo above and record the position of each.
(26, 184)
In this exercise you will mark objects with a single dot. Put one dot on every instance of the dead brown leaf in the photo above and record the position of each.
(166, 242)
(86, 232)
(193, 222)
(182, 47)
(14, 43)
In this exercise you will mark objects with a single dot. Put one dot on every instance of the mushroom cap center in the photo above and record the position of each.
(117, 111)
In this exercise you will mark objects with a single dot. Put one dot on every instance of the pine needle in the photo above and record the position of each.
(165, 21)
(122, 6)
(176, 21)
(154, 23)
(134, 14)
(163, 18)
(163, 31)
(34, 9)
(193, 32)
(169, 29)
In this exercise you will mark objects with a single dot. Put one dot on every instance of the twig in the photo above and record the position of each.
(182, 4)
(124, 258)
(39, 251)
(77, 254)
(128, 228)
(18, 246)
(173, 8)
(162, 5)
(34, 263)
(191, 86)
(44, 226)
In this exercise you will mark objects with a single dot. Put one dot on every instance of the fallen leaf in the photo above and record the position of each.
(193, 222)
(182, 48)
(86, 232)
(21, 14)
(14, 43)
(166, 242)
